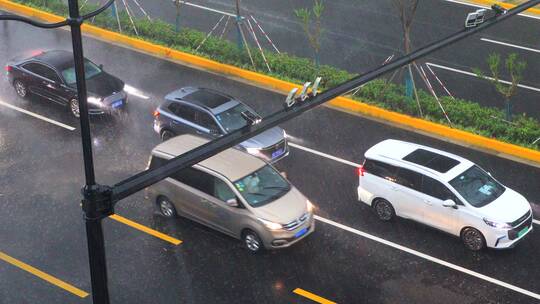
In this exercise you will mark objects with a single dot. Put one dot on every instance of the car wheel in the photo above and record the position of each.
(384, 210)
(74, 108)
(252, 241)
(20, 88)
(166, 207)
(473, 239)
(166, 135)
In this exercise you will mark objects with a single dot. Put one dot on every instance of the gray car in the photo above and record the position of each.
(210, 113)
(232, 192)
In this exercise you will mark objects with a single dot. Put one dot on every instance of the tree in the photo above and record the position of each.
(311, 23)
(514, 67)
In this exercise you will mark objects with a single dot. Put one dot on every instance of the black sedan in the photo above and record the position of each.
(51, 75)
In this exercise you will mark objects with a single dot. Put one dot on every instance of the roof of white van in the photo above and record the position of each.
(393, 151)
(231, 163)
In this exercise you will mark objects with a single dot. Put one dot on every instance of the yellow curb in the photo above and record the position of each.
(425, 126)
(534, 11)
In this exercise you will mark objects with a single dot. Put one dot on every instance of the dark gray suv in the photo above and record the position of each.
(207, 112)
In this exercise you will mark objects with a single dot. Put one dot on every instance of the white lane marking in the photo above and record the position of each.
(511, 45)
(485, 6)
(324, 155)
(430, 258)
(54, 122)
(135, 92)
(474, 75)
(206, 8)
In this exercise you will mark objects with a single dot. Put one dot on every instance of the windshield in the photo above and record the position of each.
(232, 119)
(263, 186)
(477, 187)
(90, 70)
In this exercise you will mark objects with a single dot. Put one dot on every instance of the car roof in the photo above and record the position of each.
(420, 158)
(209, 99)
(59, 59)
(231, 163)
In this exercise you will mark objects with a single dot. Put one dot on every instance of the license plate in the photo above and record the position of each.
(301, 232)
(277, 153)
(117, 104)
(523, 231)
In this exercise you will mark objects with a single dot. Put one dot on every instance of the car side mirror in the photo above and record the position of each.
(450, 204)
(232, 202)
(215, 132)
(284, 174)
(101, 66)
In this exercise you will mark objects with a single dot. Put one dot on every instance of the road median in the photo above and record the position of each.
(507, 150)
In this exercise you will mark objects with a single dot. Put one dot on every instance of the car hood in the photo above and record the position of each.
(104, 84)
(285, 209)
(507, 208)
(265, 139)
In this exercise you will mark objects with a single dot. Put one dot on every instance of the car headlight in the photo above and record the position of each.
(270, 225)
(94, 100)
(309, 206)
(497, 224)
(254, 151)
(284, 134)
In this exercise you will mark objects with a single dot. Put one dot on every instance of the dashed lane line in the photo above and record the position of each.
(430, 258)
(474, 75)
(54, 122)
(42, 275)
(510, 45)
(145, 229)
(341, 160)
(312, 296)
(350, 163)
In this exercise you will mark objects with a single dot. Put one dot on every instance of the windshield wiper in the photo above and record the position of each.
(276, 187)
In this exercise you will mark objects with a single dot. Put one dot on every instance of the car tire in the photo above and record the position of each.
(20, 88)
(384, 210)
(166, 207)
(74, 108)
(473, 239)
(166, 135)
(252, 241)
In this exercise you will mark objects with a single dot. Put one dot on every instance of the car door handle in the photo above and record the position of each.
(428, 202)
(394, 188)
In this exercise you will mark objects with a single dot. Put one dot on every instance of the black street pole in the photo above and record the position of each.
(91, 193)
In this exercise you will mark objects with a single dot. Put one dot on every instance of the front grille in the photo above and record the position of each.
(294, 224)
(267, 152)
(521, 219)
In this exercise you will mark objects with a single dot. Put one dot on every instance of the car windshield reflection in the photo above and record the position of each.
(232, 119)
(263, 186)
(477, 187)
(90, 70)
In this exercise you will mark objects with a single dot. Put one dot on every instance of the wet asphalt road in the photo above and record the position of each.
(360, 35)
(41, 221)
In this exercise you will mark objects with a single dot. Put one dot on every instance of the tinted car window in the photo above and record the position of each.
(197, 179)
(232, 119)
(90, 70)
(183, 111)
(205, 120)
(380, 169)
(436, 189)
(222, 191)
(262, 186)
(409, 179)
(42, 71)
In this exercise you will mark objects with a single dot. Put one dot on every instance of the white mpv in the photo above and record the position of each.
(444, 191)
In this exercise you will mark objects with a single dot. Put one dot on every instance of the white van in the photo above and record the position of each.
(444, 191)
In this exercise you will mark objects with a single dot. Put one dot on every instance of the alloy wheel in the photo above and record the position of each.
(252, 242)
(20, 88)
(166, 208)
(473, 239)
(74, 107)
(384, 210)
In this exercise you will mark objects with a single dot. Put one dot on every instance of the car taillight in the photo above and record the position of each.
(8, 68)
(361, 171)
(156, 113)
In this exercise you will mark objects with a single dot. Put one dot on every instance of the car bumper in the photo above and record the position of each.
(364, 195)
(283, 238)
(501, 240)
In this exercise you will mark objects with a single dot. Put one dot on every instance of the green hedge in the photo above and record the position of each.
(465, 115)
